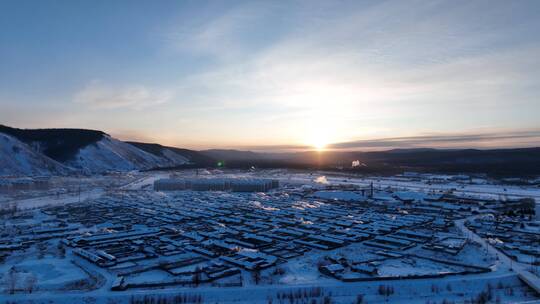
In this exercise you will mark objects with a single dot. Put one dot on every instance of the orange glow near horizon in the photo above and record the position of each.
(321, 146)
(318, 141)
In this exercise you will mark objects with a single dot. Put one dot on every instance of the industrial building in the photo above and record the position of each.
(216, 184)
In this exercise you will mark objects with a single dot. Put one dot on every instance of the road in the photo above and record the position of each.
(529, 278)
(51, 200)
(144, 181)
(74, 197)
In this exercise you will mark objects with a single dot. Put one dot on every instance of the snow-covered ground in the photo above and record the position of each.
(483, 189)
(67, 278)
(502, 289)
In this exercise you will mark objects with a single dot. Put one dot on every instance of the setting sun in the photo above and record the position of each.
(319, 141)
(319, 145)
(319, 136)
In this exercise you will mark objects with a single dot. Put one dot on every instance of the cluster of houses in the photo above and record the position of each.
(385, 265)
(188, 233)
(196, 237)
(517, 237)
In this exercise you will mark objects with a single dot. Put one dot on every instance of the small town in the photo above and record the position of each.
(236, 231)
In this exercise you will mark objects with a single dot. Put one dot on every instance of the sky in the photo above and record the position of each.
(276, 75)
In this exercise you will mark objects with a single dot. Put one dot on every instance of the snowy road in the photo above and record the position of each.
(530, 279)
(144, 181)
(62, 199)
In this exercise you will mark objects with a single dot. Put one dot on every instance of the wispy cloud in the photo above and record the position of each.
(225, 36)
(101, 96)
(486, 140)
(368, 73)
(523, 138)
(291, 75)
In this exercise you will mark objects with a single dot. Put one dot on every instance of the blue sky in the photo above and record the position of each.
(275, 75)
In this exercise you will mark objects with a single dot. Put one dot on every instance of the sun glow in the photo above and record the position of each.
(319, 145)
(318, 135)
(320, 132)
(319, 141)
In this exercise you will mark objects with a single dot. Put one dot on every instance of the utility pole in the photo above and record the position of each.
(79, 189)
(511, 268)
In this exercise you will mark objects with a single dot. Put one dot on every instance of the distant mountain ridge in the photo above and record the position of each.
(517, 161)
(64, 151)
(194, 157)
(239, 155)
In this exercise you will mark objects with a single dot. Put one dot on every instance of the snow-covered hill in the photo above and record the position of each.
(174, 158)
(57, 151)
(175, 155)
(110, 154)
(18, 158)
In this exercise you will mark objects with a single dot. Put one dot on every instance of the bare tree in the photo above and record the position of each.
(197, 276)
(61, 250)
(42, 249)
(12, 280)
(30, 283)
(256, 276)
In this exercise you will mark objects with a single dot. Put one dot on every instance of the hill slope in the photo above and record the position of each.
(17, 158)
(175, 155)
(58, 144)
(50, 151)
(110, 154)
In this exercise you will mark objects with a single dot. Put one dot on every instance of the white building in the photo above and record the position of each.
(216, 184)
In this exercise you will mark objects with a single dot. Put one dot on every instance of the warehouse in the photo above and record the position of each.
(216, 184)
